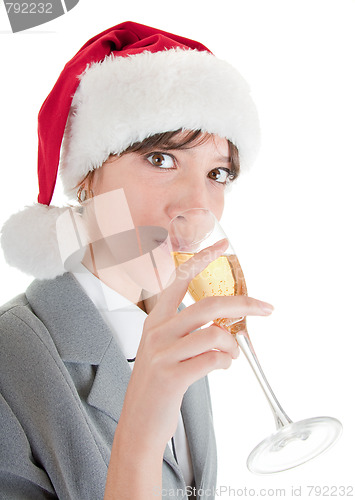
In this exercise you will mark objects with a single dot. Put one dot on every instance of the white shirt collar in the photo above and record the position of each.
(124, 318)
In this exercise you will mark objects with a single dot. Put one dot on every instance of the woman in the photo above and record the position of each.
(101, 367)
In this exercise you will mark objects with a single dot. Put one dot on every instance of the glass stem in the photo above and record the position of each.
(246, 347)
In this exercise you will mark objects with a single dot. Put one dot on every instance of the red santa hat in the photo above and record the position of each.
(125, 84)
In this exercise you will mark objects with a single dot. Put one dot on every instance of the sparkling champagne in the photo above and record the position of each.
(223, 276)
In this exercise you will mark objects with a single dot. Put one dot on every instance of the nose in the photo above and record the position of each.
(187, 195)
(191, 227)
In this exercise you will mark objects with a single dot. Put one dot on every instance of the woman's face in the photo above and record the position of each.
(160, 184)
(135, 197)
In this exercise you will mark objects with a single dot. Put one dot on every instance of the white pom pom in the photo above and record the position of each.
(30, 243)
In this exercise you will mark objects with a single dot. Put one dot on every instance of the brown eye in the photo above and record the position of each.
(220, 175)
(161, 160)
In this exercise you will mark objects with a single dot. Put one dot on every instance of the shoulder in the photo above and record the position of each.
(46, 306)
(18, 320)
(19, 300)
(33, 374)
(27, 349)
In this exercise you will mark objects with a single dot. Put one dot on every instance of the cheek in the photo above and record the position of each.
(107, 214)
(137, 193)
(143, 203)
(217, 206)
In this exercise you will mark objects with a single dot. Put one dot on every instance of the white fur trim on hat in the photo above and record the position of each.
(123, 100)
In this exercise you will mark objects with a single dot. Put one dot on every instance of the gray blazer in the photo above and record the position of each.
(62, 384)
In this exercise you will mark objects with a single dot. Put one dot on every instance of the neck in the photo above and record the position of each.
(149, 303)
(115, 278)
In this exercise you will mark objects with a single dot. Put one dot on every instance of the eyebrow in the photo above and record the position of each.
(216, 157)
(225, 159)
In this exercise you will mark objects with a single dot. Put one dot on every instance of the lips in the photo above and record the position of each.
(168, 242)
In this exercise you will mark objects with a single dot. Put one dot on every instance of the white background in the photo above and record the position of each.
(291, 218)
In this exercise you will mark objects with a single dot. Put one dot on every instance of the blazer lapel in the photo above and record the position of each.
(81, 336)
(109, 388)
(197, 416)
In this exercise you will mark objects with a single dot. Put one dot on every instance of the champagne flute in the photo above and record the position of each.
(293, 443)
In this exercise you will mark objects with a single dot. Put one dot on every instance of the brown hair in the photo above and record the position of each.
(169, 140)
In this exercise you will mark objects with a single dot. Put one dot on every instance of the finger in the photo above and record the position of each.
(171, 297)
(200, 341)
(211, 308)
(197, 367)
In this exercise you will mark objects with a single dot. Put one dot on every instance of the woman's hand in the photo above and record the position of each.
(172, 355)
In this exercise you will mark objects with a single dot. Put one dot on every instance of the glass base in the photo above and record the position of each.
(294, 444)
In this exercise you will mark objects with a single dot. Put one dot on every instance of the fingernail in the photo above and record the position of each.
(236, 354)
(266, 308)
